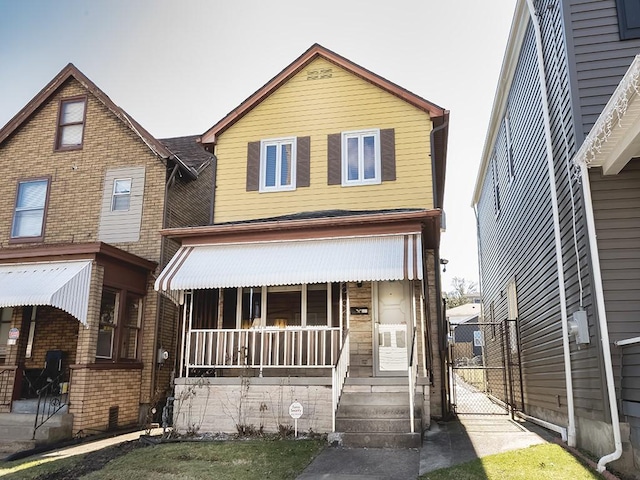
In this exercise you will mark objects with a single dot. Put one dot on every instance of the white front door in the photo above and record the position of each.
(393, 321)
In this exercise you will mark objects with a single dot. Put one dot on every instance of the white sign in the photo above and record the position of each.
(296, 410)
(478, 341)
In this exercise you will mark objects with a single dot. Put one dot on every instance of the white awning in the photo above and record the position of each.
(64, 285)
(293, 262)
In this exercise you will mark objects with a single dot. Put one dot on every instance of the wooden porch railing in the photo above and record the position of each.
(338, 376)
(291, 347)
(412, 373)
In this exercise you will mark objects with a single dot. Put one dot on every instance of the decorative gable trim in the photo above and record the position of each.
(316, 50)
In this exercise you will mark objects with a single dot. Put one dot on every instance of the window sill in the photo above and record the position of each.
(68, 149)
(26, 240)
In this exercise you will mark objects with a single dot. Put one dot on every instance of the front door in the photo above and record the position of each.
(392, 322)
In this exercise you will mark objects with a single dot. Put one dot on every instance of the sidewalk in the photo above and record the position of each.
(445, 444)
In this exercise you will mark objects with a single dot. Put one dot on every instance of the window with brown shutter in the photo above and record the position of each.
(278, 164)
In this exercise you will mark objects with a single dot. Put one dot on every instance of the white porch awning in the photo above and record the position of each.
(64, 285)
(292, 262)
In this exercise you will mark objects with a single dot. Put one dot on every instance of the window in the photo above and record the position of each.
(277, 164)
(496, 186)
(507, 128)
(28, 216)
(71, 124)
(628, 18)
(5, 326)
(119, 328)
(121, 198)
(361, 157)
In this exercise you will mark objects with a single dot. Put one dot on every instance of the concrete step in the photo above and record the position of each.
(374, 411)
(380, 398)
(31, 405)
(19, 427)
(377, 425)
(380, 440)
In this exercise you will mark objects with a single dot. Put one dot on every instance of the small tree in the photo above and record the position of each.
(459, 294)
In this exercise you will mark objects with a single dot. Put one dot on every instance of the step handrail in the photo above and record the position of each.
(412, 373)
(338, 376)
(51, 398)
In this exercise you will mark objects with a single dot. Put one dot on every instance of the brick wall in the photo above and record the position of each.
(435, 334)
(55, 330)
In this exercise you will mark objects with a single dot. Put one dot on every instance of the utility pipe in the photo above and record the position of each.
(571, 429)
(602, 320)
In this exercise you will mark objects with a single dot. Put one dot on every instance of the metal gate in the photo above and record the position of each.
(484, 368)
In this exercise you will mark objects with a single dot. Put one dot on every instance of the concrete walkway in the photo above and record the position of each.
(445, 444)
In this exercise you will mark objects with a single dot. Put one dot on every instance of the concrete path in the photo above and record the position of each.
(444, 445)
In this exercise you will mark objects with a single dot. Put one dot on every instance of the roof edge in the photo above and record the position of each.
(317, 50)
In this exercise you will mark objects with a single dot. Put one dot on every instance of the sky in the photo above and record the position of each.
(179, 66)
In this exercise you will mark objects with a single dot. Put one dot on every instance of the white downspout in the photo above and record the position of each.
(602, 321)
(571, 429)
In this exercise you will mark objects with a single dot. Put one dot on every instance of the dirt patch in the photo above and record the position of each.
(92, 461)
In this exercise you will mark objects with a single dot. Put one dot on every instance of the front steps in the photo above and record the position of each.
(16, 428)
(374, 413)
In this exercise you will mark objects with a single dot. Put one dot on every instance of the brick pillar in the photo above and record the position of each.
(88, 335)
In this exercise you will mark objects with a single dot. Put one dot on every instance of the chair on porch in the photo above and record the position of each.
(51, 373)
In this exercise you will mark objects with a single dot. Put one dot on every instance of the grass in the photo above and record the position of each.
(539, 462)
(233, 460)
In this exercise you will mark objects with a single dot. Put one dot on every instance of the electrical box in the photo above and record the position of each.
(162, 356)
(579, 327)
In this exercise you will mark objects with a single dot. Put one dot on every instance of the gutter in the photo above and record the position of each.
(571, 437)
(602, 320)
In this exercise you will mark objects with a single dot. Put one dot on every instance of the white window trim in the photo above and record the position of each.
(378, 158)
(263, 164)
(114, 194)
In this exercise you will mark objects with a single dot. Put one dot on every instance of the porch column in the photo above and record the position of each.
(88, 336)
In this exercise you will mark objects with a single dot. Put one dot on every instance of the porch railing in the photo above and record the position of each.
(412, 373)
(51, 399)
(338, 376)
(7, 377)
(290, 347)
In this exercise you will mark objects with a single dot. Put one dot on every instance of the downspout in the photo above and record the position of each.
(571, 429)
(214, 166)
(162, 249)
(602, 321)
(432, 136)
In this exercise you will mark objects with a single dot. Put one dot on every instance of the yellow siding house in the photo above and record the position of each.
(317, 281)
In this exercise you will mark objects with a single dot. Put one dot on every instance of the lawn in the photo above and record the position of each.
(539, 462)
(231, 460)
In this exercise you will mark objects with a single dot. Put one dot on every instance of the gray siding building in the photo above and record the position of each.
(559, 221)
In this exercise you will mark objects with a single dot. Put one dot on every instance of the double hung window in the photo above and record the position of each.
(277, 164)
(119, 328)
(28, 216)
(121, 198)
(71, 124)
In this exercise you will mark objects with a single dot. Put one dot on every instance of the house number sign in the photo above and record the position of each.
(296, 411)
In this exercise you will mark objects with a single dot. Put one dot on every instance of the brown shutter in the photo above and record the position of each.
(388, 154)
(303, 154)
(253, 166)
(334, 159)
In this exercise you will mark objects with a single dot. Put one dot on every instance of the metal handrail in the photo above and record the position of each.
(412, 373)
(7, 376)
(338, 376)
(50, 400)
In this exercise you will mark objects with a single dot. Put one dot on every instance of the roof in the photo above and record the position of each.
(189, 150)
(70, 71)
(318, 51)
(294, 262)
(615, 139)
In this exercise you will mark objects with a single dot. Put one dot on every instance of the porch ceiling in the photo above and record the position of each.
(366, 258)
(64, 285)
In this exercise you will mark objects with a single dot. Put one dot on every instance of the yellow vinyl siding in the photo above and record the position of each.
(317, 108)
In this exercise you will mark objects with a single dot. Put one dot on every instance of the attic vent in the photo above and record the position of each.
(113, 418)
(319, 74)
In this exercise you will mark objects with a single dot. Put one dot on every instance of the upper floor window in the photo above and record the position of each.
(277, 164)
(71, 124)
(121, 198)
(496, 186)
(628, 18)
(361, 157)
(507, 131)
(30, 207)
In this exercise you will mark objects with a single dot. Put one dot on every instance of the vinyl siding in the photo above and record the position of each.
(616, 204)
(601, 58)
(317, 108)
(519, 242)
(122, 226)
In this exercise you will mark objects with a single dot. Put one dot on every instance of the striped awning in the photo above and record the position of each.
(294, 262)
(64, 285)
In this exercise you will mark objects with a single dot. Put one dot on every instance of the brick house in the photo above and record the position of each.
(317, 279)
(87, 189)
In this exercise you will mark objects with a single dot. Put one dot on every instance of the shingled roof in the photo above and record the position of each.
(189, 150)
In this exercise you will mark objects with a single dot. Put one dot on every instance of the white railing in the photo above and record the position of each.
(291, 347)
(412, 373)
(338, 376)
